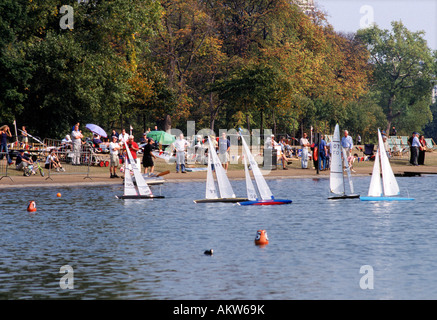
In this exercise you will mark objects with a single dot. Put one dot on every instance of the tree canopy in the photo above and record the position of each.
(403, 67)
(222, 63)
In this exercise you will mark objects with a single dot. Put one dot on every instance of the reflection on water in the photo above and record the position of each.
(153, 249)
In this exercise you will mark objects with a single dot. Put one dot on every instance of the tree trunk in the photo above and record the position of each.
(248, 121)
(274, 125)
(262, 128)
(167, 123)
(390, 115)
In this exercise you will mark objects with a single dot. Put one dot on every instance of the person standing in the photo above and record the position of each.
(410, 144)
(282, 143)
(328, 155)
(77, 144)
(322, 153)
(422, 150)
(133, 148)
(24, 137)
(114, 133)
(4, 134)
(224, 145)
(148, 157)
(415, 145)
(114, 146)
(123, 136)
(304, 143)
(180, 145)
(347, 143)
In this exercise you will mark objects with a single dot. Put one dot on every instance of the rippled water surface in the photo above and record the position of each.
(153, 249)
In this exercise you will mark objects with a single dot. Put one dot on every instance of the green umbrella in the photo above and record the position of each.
(162, 137)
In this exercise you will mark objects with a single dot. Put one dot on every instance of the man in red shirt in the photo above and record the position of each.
(133, 147)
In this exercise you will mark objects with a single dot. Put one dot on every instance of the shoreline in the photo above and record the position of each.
(72, 180)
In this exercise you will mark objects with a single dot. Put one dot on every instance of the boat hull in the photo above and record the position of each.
(220, 200)
(385, 199)
(140, 197)
(265, 202)
(345, 196)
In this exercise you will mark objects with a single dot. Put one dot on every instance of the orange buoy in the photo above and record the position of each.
(58, 194)
(31, 207)
(261, 237)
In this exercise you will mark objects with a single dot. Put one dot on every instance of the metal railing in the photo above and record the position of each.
(70, 163)
(4, 166)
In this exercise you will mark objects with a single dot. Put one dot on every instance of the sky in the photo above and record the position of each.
(351, 15)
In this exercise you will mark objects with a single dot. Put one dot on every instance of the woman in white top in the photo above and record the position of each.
(304, 144)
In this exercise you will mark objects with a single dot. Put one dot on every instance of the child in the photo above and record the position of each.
(351, 161)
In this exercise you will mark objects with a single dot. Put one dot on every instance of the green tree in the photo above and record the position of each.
(402, 67)
(55, 77)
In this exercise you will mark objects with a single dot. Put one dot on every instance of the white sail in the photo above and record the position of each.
(251, 192)
(336, 179)
(225, 187)
(389, 182)
(263, 188)
(129, 187)
(143, 188)
(211, 191)
(375, 189)
(348, 171)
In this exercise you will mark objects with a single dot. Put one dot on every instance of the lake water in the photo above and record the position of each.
(154, 249)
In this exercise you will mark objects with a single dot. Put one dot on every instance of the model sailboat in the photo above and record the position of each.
(139, 190)
(336, 178)
(266, 195)
(385, 188)
(224, 186)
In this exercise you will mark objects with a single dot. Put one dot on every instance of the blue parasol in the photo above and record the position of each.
(96, 129)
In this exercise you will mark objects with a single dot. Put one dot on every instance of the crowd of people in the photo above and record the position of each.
(116, 143)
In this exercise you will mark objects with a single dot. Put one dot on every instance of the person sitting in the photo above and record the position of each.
(96, 140)
(52, 161)
(66, 143)
(143, 138)
(22, 161)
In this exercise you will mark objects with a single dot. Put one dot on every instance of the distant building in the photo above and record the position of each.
(307, 6)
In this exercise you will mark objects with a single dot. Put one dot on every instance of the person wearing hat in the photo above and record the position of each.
(148, 157)
(113, 156)
(22, 160)
(143, 138)
(67, 143)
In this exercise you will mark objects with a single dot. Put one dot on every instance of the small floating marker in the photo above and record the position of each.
(261, 237)
(31, 207)
(209, 252)
(58, 194)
